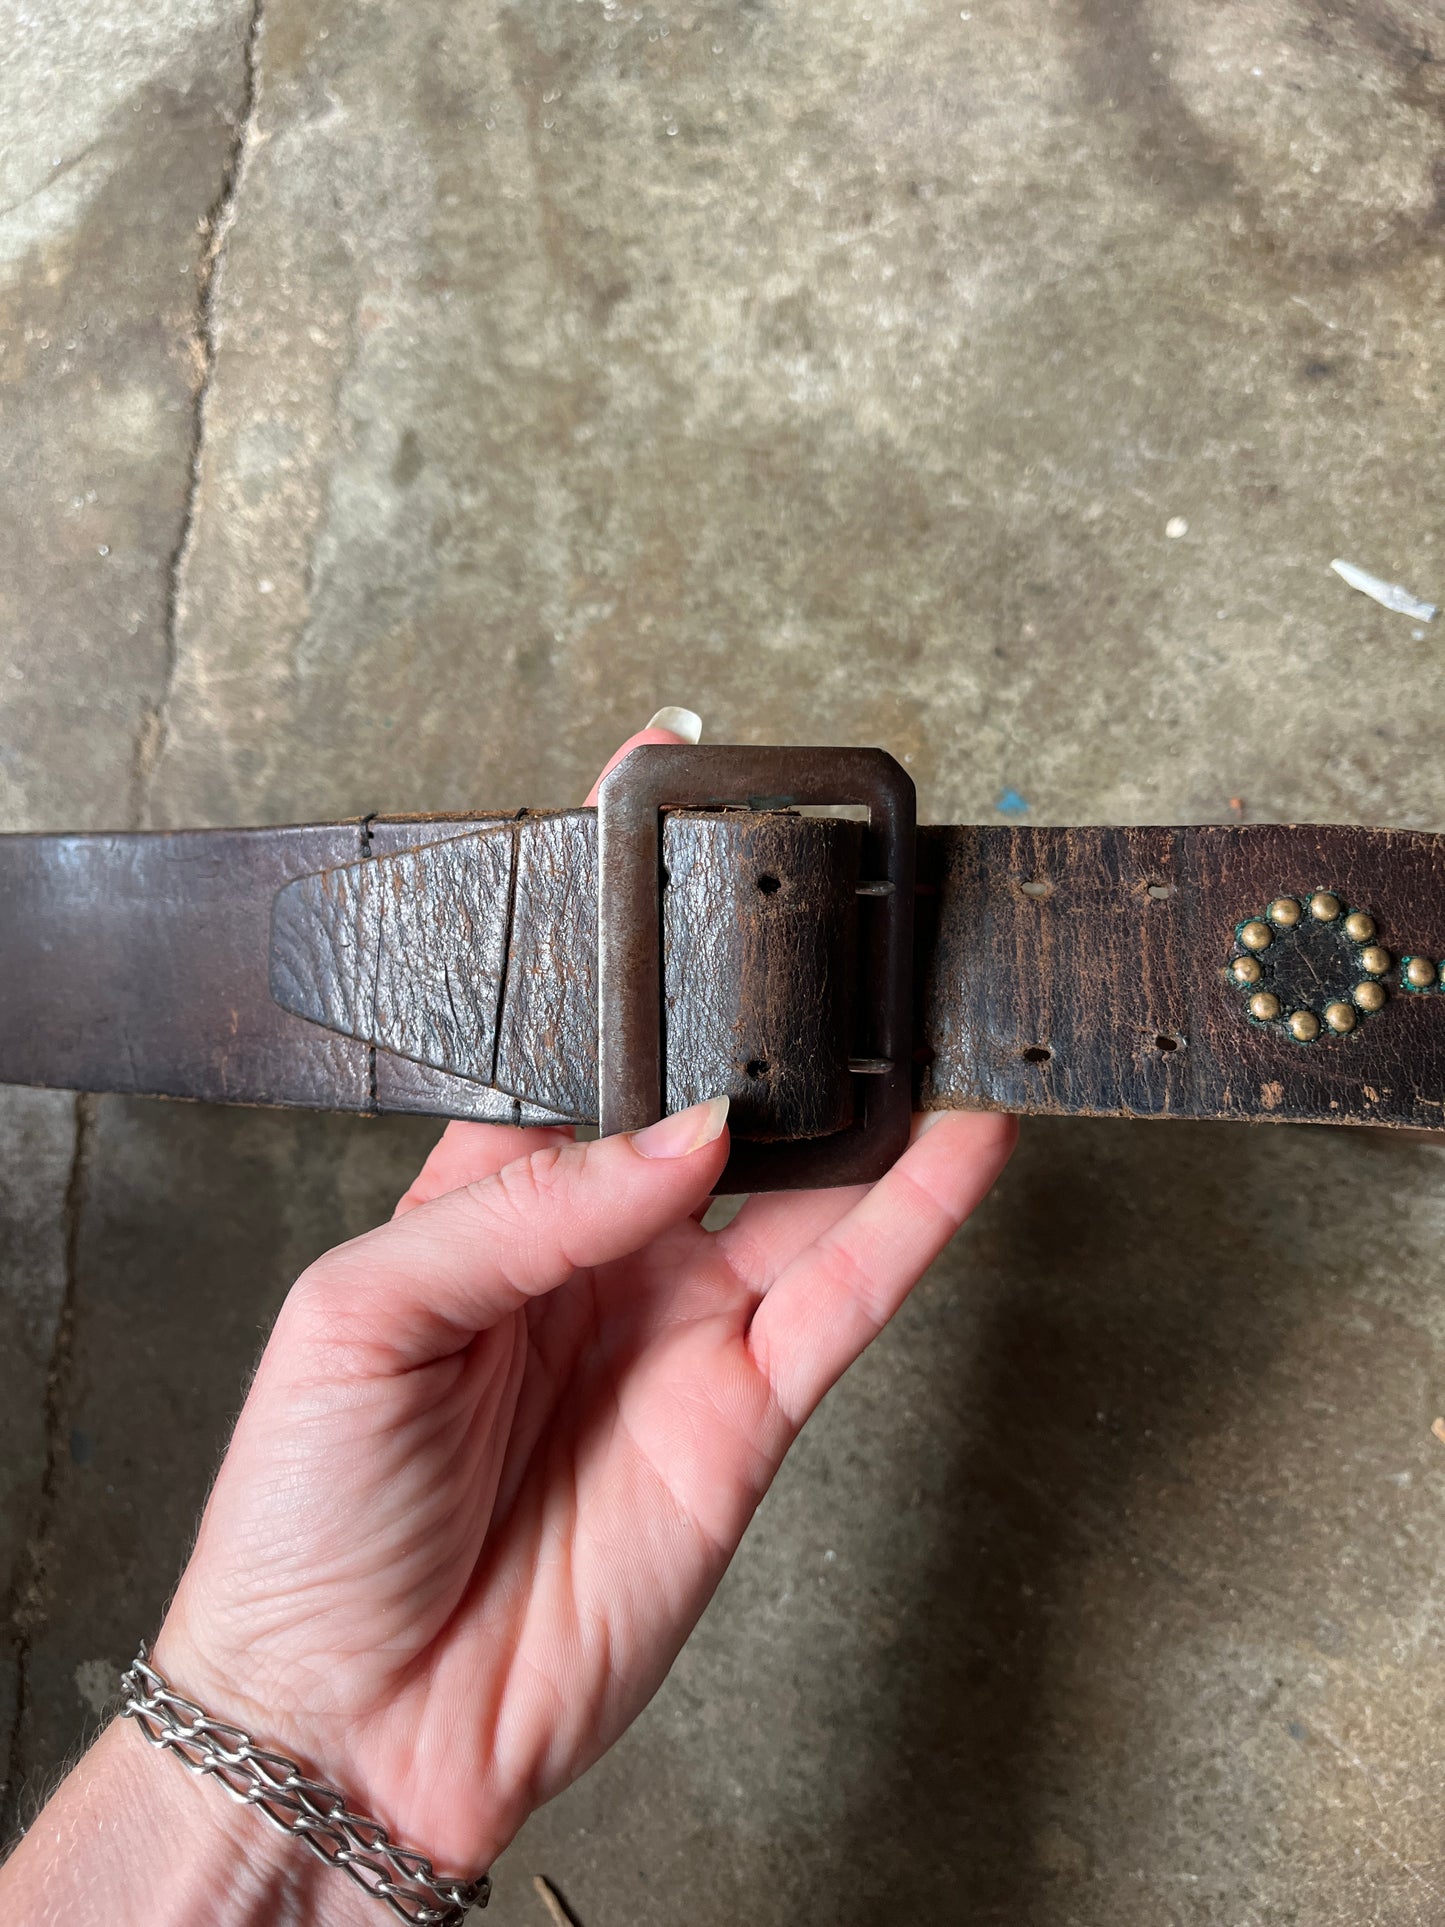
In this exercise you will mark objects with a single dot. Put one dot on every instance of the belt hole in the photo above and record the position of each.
(1165, 1042)
(1037, 1054)
(757, 1067)
(769, 885)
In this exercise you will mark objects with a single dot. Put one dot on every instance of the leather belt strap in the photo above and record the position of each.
(449, 965)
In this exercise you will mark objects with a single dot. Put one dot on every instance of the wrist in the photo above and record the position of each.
(132, 1839)
(284, 1711)
(218, 1862)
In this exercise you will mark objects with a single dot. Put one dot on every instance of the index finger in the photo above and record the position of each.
(828, 1305)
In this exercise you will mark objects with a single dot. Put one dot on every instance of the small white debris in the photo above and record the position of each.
(1389, 595)
(1175, 527)
(265, 585)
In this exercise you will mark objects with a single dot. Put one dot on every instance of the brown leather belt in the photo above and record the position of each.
(829, 971)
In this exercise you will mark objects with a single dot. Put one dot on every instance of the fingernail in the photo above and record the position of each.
(929, 1119)
(685, 723)
(684, 1132)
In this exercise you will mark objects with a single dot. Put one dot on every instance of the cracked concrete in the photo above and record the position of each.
(215, 227)
(400, 403)
(99, 253)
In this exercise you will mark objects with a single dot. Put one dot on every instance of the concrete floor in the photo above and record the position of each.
(397, 404)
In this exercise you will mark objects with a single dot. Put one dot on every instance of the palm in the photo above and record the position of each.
(623, 1459)
(641, 1441)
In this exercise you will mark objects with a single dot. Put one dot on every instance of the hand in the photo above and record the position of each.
(499, 1452)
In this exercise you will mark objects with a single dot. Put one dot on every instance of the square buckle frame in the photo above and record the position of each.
(631, 1021)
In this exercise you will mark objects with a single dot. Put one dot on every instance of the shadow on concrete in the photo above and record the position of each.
(1130, 1304)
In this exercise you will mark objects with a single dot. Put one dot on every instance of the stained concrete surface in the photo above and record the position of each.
(396, 405)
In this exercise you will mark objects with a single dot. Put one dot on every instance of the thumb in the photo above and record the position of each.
(423, 1285)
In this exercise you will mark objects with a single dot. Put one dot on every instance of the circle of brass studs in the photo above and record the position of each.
(1262, 943)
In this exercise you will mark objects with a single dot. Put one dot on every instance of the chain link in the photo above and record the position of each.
(317, 1814)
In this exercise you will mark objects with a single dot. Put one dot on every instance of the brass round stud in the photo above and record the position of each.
(1340, 1018)
(1286, 912)
(1256, 935)
(1264, 1005)
(1325, 906)
(1304, 1026)
(1359, 928)
(1246, 970)
(1369, 995)
(1375, 959)
(1420, 972)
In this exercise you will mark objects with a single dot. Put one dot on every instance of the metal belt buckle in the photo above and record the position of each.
(631, 1020)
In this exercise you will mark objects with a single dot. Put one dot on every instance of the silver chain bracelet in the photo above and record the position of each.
(317, 1814)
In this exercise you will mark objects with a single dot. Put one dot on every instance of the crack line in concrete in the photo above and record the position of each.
(24, 1611)
(219, 219)
(25, 1608)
